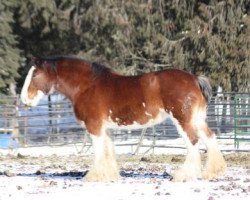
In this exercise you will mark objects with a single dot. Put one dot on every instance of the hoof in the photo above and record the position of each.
(214, 169)
(101, 176)
(184, 175)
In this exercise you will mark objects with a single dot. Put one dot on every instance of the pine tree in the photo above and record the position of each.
(209, 37)
(10, 56)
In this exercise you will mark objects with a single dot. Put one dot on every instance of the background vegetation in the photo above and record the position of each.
(210, 37)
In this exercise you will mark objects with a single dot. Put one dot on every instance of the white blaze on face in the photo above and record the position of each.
(24, 94)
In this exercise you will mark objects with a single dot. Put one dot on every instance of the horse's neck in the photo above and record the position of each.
(71, 82)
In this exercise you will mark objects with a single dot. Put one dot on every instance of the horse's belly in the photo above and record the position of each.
(161, 116)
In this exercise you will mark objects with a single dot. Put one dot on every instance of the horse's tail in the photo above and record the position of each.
(205, 87)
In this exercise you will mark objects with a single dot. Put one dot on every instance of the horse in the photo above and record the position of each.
(102, 99)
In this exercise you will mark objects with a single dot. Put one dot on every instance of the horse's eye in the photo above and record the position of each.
(34, 75)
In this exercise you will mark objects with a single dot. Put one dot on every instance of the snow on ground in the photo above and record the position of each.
(32, 185)
(40, 187)
(58, 173)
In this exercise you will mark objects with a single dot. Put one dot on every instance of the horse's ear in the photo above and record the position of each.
(37, 61)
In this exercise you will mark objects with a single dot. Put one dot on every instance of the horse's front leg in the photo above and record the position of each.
(105, 166)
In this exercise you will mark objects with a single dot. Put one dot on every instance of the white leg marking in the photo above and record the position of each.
(24, 94)
(105, 166)
(99, 146)
(215, 164)
(191, 168)
(199, 118)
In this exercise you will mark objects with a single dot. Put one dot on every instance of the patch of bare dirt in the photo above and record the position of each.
(55, 161)
(232, 159)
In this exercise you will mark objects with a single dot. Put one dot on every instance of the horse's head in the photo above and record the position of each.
(39, 81)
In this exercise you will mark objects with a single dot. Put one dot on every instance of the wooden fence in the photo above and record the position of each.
(52, 122)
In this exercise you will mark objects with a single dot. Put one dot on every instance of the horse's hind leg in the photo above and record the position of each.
(191, 168)
(215, 164)
(105, 167)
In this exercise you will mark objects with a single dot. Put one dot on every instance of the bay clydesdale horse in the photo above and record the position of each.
(104, 99)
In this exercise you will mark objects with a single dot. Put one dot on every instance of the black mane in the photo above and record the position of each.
(41, 60)
(97, 68)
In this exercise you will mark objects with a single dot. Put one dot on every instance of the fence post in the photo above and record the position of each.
(140, 141)
(241, 118)
(15, 123)
(236, 142)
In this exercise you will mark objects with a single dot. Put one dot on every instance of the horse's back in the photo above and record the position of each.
(176, 78)
(161, 88)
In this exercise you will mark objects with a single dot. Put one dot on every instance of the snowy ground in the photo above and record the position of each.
(58, 173)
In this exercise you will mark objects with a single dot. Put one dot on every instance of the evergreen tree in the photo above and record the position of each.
(44, 30)
(10, 56)
(203, 37)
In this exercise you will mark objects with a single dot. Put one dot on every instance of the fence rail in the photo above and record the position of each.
(53, 122)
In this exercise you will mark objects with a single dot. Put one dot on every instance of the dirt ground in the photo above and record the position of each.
(12, 164)
(53, 177)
